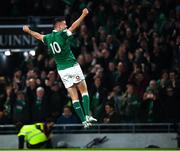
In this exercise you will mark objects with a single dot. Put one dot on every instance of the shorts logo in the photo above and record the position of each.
(77, 78)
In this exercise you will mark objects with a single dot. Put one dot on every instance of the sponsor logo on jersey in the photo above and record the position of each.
(77, 78)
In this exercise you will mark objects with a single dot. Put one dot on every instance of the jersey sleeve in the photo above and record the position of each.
(66, 33)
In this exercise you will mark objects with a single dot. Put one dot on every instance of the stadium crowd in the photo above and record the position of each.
(130, 55)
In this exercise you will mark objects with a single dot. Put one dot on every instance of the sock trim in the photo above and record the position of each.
(74, 101)
(86, 93)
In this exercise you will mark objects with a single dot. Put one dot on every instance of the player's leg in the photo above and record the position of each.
(72, 90)
(75, 101)
(76, 105)
(79, 79)
(85, 96)
(82, 87)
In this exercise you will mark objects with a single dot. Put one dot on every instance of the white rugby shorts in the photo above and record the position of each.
(71, 75)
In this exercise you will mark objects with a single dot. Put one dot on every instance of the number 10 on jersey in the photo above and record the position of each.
(55, 47)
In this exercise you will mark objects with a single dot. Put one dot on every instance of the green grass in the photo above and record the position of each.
(101, 149)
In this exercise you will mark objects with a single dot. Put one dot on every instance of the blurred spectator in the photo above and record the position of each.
(40, 110)
(138, 45)
(57, 100)
(51, 78)
(150, 100)
(82, 62)
(67, 117)
(121, 53)
(138, 77)
(163, 81)
(114, 97)
(112, 44)
(104, 58)
(98, 98)
(170, 105)
(21, 109)
(1, 116)
(110, 76)
(18, 81)
(121, 76)
(8, 102)
(110, 116)
(129, 104)
(31, 86)
(173, 80)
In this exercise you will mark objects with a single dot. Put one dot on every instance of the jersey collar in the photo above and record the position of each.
(55, 30)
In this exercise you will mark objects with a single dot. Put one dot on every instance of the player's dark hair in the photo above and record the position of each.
(58, 19)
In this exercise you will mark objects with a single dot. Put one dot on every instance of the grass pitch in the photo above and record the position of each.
(101, 149)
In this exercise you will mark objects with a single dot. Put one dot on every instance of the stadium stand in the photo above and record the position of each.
(128, 50)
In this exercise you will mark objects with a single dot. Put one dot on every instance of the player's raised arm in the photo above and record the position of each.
(34, 34)
(79, 20)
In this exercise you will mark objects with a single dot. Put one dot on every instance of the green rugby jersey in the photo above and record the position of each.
(60, 48)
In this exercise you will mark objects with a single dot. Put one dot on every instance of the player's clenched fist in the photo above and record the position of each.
(85, 11)
(26, 28)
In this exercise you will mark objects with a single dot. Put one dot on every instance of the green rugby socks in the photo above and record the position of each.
(78, 109)
(86, 103)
